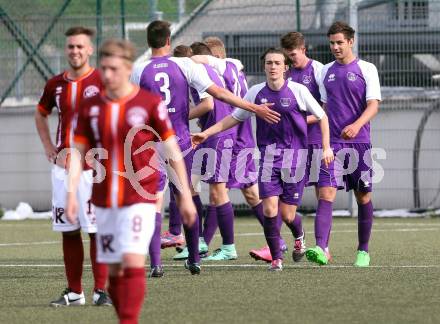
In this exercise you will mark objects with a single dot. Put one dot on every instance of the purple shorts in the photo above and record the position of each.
(212, 160)
(243, 173)
(353, 166)
(271, 183)
(317, 174)
(188, 154)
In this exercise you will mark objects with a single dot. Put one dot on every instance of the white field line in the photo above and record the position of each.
(405, 230)
(354, 223)
(256, 224)
(204, 265)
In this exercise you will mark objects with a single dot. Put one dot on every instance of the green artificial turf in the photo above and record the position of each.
(401, 286)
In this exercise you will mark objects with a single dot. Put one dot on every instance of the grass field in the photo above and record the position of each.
(401, 286)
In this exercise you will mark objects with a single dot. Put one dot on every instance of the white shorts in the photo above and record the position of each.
(123, 230)
(86, 212)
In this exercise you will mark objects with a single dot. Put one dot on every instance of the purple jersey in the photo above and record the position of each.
(345, 89)
(221, 109)
(292, 101)
(171, 77)
(309, 76)
(235, 80)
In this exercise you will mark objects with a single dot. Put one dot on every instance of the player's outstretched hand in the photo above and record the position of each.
(264, 112)
(350, 131)
(198, 138)
(188, 211)
(72, 208)
(328, 156)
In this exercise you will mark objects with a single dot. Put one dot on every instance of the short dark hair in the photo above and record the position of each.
(118, 48)
(200, 48)
(158, 32)
(182, 51)
(79, 30)
(343, 28)
(292, 40)
(275, 50)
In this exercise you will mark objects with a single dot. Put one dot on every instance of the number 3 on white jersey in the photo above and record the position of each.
(165, 88)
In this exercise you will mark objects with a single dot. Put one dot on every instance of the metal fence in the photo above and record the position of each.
(399, 37)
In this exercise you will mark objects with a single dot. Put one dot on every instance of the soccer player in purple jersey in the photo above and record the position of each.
(242, 165)
(171, 77)
(215, 170)
(280, 180)
(306, 71)
(350, 91)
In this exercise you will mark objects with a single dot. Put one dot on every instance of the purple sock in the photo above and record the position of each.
(296, 227)
(328, 236)
(365, 222)
(258, 212)
(272, 234)
(154, 248)
(210, 224)
(225, 218)
(175, 222)
(192, 241)
(323, 222)
(283, 244)
(199, 207)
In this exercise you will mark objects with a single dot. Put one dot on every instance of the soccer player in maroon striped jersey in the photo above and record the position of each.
(65, 92)
(124, 122)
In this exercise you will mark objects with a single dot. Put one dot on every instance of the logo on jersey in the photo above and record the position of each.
(263, 100)
(58, 90)
(137, 116)
(307, 79)
(331, 77)
(285, 102)
(351, 76)
(94, 111)
(90, 91)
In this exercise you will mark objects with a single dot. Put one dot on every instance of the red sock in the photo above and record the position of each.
(113, 290)
(100, 270)
(73, 260)
(131, 295)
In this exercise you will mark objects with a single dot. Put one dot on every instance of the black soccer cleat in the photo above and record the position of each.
(194, 268)
(101, 298)
(156, 272)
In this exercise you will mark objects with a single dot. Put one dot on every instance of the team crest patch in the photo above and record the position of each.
(285, 102)
(351, 76)
(136, 116)
(306, 79)
(90, 91)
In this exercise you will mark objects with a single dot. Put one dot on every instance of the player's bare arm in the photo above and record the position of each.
(75, 170)
(201, 59)
(327, 152)
(262, 111)
(205, 105)
(224, 124)
(184, 200)
(42, 125)
(351, 131)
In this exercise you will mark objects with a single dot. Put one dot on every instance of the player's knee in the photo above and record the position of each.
(270, 209)
(218, 195)
(362, 198)
(251, 197)
(327, 193)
